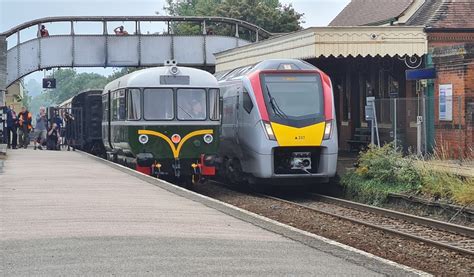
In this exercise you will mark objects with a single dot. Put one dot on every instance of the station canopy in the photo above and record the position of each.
(341, 42)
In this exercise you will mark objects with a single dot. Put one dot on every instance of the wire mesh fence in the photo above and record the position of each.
(441, 126)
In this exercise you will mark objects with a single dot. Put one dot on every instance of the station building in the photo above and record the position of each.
(14, 95)
(368, 49)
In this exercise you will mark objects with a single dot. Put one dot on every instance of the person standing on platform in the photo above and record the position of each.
(53, 137)
(70, 131)
(24, 124)
(41, 128)
(12, 123)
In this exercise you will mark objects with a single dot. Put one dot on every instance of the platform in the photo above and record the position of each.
(65, 213)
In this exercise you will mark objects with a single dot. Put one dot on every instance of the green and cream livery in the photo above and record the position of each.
(163, 121)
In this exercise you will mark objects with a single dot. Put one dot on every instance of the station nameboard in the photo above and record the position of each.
(420, 74)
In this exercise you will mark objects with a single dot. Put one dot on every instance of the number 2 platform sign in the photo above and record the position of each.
(49, 83)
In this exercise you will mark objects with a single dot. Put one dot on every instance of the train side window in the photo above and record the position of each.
(247, 101)
(133, 105)
(105, 107)
(214, 104)
(121, 105)
(118, 105)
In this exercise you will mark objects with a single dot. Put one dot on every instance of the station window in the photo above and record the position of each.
(158, 104)
(133, 104)
(191, 104)
(214, 104)
(247, 101)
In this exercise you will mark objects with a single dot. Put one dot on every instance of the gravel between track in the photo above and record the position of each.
(392, 247)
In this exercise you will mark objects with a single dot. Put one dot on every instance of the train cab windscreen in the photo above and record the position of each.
(294, 99)
(158, 104)
(192, 104)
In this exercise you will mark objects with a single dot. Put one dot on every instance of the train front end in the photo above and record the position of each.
(297, 118)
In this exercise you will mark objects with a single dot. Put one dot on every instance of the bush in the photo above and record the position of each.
(380, 171)
(446, 185)
(385, 170)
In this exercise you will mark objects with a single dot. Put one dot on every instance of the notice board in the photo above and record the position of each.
(446, 102)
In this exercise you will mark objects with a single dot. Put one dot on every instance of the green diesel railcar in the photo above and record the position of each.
(163, 121)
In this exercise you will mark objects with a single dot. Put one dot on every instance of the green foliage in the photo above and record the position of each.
(271, 15)
(69, 83)
(446, 185)
(385, 170)
(381, 171)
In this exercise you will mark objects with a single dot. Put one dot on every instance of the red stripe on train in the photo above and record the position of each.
(257, 89)
(327, 91)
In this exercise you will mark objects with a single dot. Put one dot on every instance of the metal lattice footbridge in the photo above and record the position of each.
(110, 50)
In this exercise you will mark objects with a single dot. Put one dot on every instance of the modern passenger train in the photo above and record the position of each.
(279, 123)
(163, 121)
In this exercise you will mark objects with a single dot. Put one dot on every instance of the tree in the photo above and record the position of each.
(271, 15)
(70, 83)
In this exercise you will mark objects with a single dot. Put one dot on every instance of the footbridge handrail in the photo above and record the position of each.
(202, 19)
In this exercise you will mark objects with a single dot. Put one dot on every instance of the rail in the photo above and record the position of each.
(441, 234)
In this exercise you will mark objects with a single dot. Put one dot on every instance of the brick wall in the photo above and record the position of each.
(454, 66)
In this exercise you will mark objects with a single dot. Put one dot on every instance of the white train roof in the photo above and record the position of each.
(150, 77)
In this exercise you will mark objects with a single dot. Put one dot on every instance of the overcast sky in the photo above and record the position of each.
(15, 12)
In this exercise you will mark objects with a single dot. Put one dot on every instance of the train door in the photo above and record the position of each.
(106, 120)
(230, 115)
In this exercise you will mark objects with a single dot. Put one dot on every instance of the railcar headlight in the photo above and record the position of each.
(174, 70)
(327, 130)
(268, 130)
(208, 138)
(143, 139)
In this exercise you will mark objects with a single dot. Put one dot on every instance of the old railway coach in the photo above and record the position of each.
(279, 123)
(163, 121)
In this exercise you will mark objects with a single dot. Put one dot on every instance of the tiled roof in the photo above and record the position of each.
(365, 12)
(454, 14)
(425, 13)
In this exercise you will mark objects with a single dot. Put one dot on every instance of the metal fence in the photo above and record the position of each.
(441, 126)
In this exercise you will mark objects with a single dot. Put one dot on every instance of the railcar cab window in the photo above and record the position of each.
(118, 105)
(133, 104)
(191, 104)
(158, 104)
(292, 98)
(214, 104)
(247, 101)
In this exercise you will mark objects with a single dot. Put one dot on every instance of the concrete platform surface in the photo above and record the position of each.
(63, 213)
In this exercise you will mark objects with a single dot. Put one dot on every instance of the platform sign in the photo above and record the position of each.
(369, 112)
(446, 102)
(420, 74)
(49, 83)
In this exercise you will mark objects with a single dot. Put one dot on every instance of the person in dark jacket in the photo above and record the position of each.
(53, 137)
(24, 124)
(12, 123)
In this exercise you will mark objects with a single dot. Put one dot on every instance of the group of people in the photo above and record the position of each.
(43, 32)
(44, 134)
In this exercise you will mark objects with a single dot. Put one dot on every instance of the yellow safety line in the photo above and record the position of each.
(174, 149)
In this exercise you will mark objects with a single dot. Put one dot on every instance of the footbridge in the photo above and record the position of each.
(106, 49)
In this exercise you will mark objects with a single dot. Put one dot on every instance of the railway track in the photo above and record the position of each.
(441, 234)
